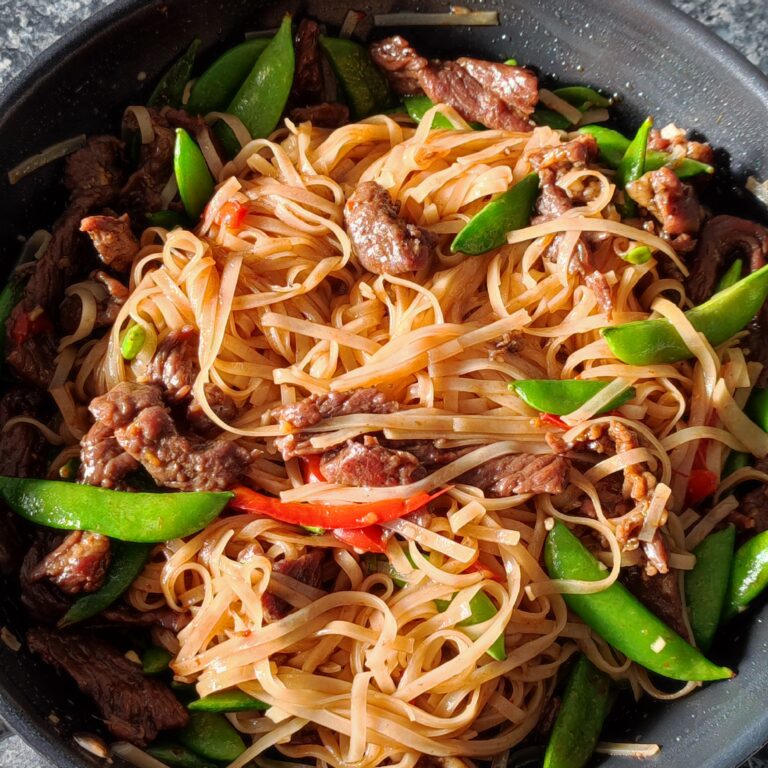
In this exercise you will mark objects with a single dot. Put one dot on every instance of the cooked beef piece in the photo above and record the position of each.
(656, 555)
(596, 282)
(577, 153)
(724, 238)
(659, 593)
(124, 615)
(427, 452)
(754, 503)
(293, 445)
(97, 172)
(107, 309)
(553, 201)
(612, 499)
(678, 143)
(673, 203)
(384, 243)
(308, 80)
(496, 95)
(369, 464)
(123, 403)
(308, 569)
(78, 564)
(177, 461)
(328, 114)
(175, 364)
(221, 404)
(134, 707)
(41, 599)
(313, 409)
(519, 473)
(113, 239)
(102, 461)
(31, 355)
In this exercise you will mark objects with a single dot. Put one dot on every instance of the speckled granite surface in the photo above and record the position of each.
(29, 26)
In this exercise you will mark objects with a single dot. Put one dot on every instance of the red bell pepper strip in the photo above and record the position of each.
(368, 539)
(28, 324)
(232, 214)
(555, 421)
(701, 483)
(310, 469)
(328, 515)
(488, 573)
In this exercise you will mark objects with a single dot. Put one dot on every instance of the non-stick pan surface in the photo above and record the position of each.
(655, 58)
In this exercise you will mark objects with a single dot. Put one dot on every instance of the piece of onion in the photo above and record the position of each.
(551, 100)
(210, 154)
(655, 513)
(408, 19)
(759, 189)
(48, 155)
(351, 20)
(594, 115)
(35, 246)
(144, 121)
(135, 756)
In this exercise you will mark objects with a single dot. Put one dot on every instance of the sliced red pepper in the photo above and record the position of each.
(368, 539)
(328, 515)
(555, 421)
(488, 573)
(232, 214)
(701, 483)
(24, 326)
(310, 469)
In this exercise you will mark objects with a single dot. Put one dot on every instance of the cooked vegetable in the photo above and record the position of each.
(138, 517)
(133, 341)
(9, 298)
(363, 83)
(482, 609)
(192, 174)
(651, 342)
(736, 460)
(563, 397)
(368, 539)
(632, 166)
(211, 736)
(155, 660)
(217, 86)
(731, 276)
(757, 408)
(488, 228)
(639, 255)
(177, 756)
(417, 106)
(620, 618)
(583, 97)
(749, 575)
(227, 701)
(706, 585)
(583, 709)
(548, 117)
(128, 561)
(167, 219)
(170, 90)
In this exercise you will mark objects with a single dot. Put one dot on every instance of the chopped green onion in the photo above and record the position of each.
(133, 341)
(638, 255)
(511, 62)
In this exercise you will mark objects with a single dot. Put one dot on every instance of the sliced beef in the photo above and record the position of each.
(723, 239)
(553, 201)
(327, 114)
(427, 452)
(673, 203)
(612, 499)
(754, 503)
(369, 464)
(221, 404)
(577, 153)
(78, 564)
(308, 80)
(308, 569)
(382, 241)
(123, 403)
(124, 615)
(113, 239)
(102, 460)
(134, 707)
(659, 593)
(519, 473)
(31, 346)
(42, 600)
(678, 144)
(175, 364)
(313, 409)
(96, 173)
(107, 309)
(515, 86)
(400, 63)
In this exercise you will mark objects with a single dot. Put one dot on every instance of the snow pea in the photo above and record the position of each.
(731, 276)
(210, 735)
(177, 756)
(167, 219)
(749, 575)
(632, 166)
(707, 584)
(583, 97)
(584, 707)
(261, 99)
(417, 106)
(170, 90)
(133, 341)
(488, 228)
(155, 660)
(651, 342)
(128, 561)
(482, 609)
(363, 83)
(192, 174)
(138, 517)
(561, 397)
(216, 87)
(227, 701)
(736, 460)
(550, 118)
(620, 618)
(757, 408)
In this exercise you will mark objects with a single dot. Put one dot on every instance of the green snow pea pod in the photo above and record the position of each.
(417, 106)
(177, 756)
(731, 276)
(757, 408)
(216, 87)
(482, 609)
(560, 397)
(138, 517)
(210, 735)
(620, 618)
(684, 168)
(651, 342)
(192, 174)
(363, 83)
(168, 219)
(736, 460)
(227, 701)
(585, 704)
(170, 90)
(155, 660)
(632, 166)
(488, 228)
(707, 584)
(550, 118)
(749, 575)
(128, 560)
(583, 97)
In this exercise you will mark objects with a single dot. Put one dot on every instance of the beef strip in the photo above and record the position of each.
(327, 114)
(496, 95)
(382, 241)
(123, 615)
(123, 403)
(612, 499)
(96, 172)
(369, 464)
(313, 409)
(754, 503)
(427, 452)
(78, 564)
(113, 239)
(41, 599)
(102, 460)
(308, 80)
(553, 201)
(678, 144)
(569, 155)
(107, 309)
(307, 569)
(659, 593)
(519, 473)
(221, 404)
(673, 203)
(135, 707)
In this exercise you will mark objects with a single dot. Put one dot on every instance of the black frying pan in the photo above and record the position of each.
(657, 59)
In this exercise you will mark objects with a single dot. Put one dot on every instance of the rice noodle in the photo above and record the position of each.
(48, 155)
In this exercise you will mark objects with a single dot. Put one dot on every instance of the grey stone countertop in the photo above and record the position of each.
(29, 26)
